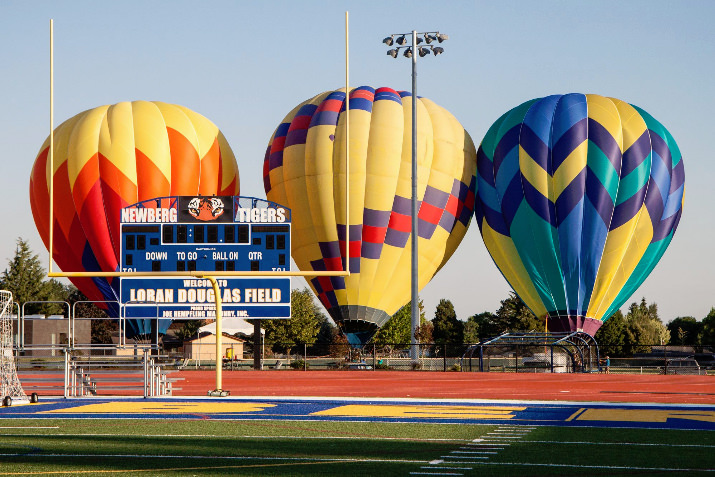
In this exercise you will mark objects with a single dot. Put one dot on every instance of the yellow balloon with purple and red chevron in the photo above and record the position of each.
(112, 156)
(578, 198)
(305, 169)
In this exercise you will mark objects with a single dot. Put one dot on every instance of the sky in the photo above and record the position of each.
(245, 64)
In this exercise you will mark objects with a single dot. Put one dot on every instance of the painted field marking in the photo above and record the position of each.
(521, 416)
(479, 450)
(601, 443)
(463, 456)
(217, 436)
(643, 415)
(447, 468)
(436, 473)
(604, 467)
(484, 442)
(271, 462)
(138, 407)
(415, 411)
(29, 427)
(575, 414)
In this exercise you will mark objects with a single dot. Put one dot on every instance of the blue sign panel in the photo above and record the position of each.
(201, 233)
(193, 298)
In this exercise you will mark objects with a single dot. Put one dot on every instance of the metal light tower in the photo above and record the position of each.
(409, 42)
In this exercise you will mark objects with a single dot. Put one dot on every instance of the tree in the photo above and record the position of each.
(328, 338)
(708, 322)
(301, 328)
(425, 332)
(685, 330)
(480, 327)
(644, 327)
(611, 336)
(514, 315)
(447, 328)
(188, 329)
(327, 331)
(398, 329)
(26, 279)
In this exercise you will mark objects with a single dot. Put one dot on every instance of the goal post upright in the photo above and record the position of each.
(219, 391)
(52, 140)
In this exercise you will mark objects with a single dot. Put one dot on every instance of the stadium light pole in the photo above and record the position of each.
(410, 44)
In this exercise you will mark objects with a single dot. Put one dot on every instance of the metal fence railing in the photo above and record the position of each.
(562, 357)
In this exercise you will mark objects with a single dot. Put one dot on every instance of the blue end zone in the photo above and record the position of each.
(669, 416)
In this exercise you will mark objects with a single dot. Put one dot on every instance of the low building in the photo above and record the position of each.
(47, 336)
(203, 347)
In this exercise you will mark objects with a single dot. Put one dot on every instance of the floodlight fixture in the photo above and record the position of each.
(408, 53)
(429, 38)
(423, 51)
(388, 41)
(401, 40)
(442, 37)
(392, 53)
(437, 50)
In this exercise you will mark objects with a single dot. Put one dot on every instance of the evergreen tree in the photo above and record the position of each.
(611, 336)
(26, 279)
(480, 327)
(447, 328)
(514, 315)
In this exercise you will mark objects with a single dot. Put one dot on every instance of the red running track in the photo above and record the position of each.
(454, 385)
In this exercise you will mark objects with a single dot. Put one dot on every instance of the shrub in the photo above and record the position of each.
(299, 364)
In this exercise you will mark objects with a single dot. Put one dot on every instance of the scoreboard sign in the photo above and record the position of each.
(196, 233)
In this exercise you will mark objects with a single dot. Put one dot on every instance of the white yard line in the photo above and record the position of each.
(607, 467)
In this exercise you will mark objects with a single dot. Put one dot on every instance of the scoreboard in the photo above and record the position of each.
(205, 233)
(180, 234)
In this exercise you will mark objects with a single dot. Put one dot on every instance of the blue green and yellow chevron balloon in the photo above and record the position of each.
(578, 196)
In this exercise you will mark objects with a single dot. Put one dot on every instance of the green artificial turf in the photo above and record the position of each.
(307, 448)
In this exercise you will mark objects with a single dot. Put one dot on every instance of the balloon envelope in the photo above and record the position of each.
(112, 156)
(578, 198)
(305, 169)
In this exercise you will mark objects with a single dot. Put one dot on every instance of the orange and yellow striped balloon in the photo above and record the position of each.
(112, 156)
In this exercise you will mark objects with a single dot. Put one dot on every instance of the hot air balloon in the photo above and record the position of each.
(305, 169)
(578, 198)
(112, 156)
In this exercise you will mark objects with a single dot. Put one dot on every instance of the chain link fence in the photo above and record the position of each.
(559, 358)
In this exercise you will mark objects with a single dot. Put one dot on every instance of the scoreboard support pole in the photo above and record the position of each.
(219, 391)
(257, 346)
